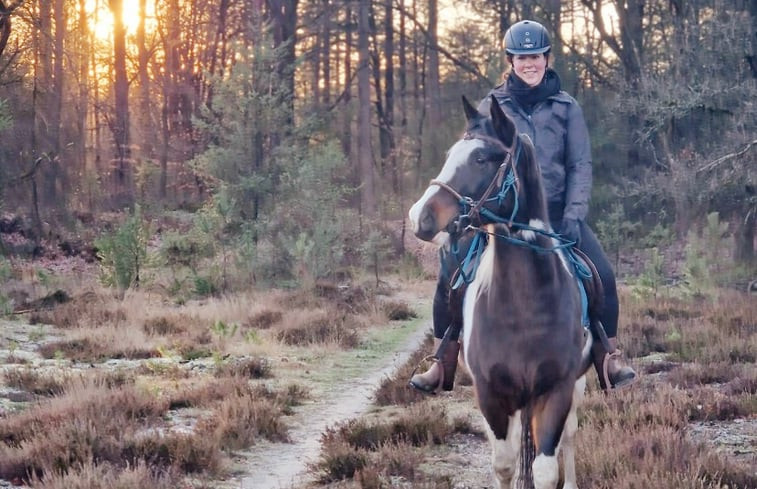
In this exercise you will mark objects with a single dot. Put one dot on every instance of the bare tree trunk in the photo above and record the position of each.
(146, 127)
(433, 90)
(326, 53)
(402, 75)
(54, 187)
(120, 126)
(284, 26)
(43, 84)
(346, 120)
(56, 96)
(319, 47)
(629, 48)
(387, 128)
(83, 102)
(96, 117)
(365, 153)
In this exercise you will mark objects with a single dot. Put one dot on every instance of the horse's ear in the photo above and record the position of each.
(470, 111)
(503, 124)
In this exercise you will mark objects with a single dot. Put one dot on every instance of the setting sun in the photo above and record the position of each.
(102, 17)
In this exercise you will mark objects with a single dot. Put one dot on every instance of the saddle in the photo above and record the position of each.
(595, 295)
(448, 351)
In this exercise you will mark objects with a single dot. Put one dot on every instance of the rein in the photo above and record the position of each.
(476, 210)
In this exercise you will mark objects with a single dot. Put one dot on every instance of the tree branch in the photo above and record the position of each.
(473, 70)
(28, 173)
(713, 164)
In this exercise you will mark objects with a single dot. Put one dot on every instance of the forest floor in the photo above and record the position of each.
(689, 422)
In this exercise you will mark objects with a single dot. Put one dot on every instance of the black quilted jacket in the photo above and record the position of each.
(563, 150)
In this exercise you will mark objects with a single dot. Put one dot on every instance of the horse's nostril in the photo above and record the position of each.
(427, 222)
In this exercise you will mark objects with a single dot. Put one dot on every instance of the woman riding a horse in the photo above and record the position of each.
(532, 97)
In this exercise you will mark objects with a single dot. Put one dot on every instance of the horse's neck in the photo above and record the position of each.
(528, 254)
(532, 211)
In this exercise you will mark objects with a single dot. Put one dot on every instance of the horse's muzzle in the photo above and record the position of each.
(427, 226)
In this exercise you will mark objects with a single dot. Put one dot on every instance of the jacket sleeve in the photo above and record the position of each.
(578, 177)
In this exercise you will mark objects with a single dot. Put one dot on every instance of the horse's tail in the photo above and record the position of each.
(527, 450)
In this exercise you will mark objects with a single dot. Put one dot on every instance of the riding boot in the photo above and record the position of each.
(442, 370)
(620, 375)
(609, 366)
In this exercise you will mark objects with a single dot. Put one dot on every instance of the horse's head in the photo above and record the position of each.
(481, 172)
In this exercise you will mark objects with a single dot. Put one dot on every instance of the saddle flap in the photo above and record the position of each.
(593, 285)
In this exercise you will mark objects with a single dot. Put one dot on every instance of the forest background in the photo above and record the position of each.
(282, 141)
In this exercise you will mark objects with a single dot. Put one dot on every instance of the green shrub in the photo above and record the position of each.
(652, 278)
(123, 253)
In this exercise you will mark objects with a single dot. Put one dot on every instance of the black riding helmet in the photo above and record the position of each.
(527, 37)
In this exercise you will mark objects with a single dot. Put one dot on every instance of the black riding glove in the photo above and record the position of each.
(571, 229)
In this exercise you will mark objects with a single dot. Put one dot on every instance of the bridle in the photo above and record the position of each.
(504, 180)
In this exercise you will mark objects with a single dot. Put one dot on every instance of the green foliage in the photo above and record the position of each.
(374, 250)
(6, 270)
(615, 231)
(659, 236)
(224, 330)
(201, 257)
(204, 286)
(706, 265)
(652, 278)
(278, 211)
(317, 220)
(123, 253)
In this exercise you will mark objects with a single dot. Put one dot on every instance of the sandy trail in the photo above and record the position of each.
(279, 466)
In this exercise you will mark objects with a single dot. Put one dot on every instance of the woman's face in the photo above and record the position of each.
(530, 67)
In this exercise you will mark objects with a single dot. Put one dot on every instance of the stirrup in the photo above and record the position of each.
(606, 373)
(432, 390)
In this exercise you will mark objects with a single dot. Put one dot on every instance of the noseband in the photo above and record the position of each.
(476, 208)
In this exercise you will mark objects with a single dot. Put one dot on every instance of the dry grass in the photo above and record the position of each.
(394, 390)
(326, 326)
(106, 476)
(263, 319)
(99, 345)
(398, 310)
(634, 438)
(89, 308)
(102, 426)
(36, 382)
(372, 450)
(251, 368)
(639, 439)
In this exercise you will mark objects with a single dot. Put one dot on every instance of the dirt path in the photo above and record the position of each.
(283, 465)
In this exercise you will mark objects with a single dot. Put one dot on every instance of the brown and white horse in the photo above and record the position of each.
(523, 339)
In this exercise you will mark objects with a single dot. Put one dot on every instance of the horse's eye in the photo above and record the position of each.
(480, 160)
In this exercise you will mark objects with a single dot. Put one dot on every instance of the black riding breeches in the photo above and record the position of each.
(589, 245)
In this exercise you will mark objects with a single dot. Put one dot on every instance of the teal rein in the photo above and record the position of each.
(469, 265)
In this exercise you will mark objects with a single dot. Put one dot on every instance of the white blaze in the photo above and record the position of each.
(456, 157)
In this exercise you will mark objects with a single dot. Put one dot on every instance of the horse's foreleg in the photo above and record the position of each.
(548, 421)
(504, 450)
(567, 445)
